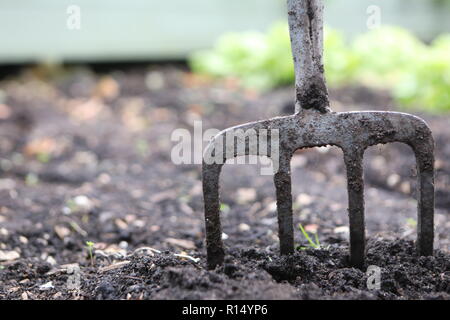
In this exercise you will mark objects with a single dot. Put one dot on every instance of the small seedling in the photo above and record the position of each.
(224, 207)
(314, 244)
(31, 179)
(78, 229)
(43, 157)
(142, 147)
(412, 223)
(90, 248)
(71, 205)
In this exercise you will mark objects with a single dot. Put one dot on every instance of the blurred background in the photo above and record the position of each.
(139, 29)
(401, 45)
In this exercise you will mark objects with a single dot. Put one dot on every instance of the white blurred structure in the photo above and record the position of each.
(45, 30)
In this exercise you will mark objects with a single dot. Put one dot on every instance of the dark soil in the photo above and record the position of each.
(86, 156)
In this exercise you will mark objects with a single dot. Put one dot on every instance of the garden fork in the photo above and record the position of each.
(315, 125)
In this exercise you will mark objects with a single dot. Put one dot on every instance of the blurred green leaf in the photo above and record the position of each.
(31, 179)
(388, 57)
(224, 207)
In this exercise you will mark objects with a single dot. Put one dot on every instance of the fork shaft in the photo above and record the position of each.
(306, 30)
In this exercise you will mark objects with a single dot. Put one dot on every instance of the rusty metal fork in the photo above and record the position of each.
(315, 125)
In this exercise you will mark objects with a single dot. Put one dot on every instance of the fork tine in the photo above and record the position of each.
(211, 170)
(214, 245)
(424, 151)
(355, 186)
(282, 181)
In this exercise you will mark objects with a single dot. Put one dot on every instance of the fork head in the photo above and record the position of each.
(353, 132)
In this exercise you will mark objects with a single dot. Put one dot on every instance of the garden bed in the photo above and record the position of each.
(86, 156)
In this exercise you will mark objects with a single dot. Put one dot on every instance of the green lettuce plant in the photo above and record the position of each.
(428, 84)
(388, 57)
